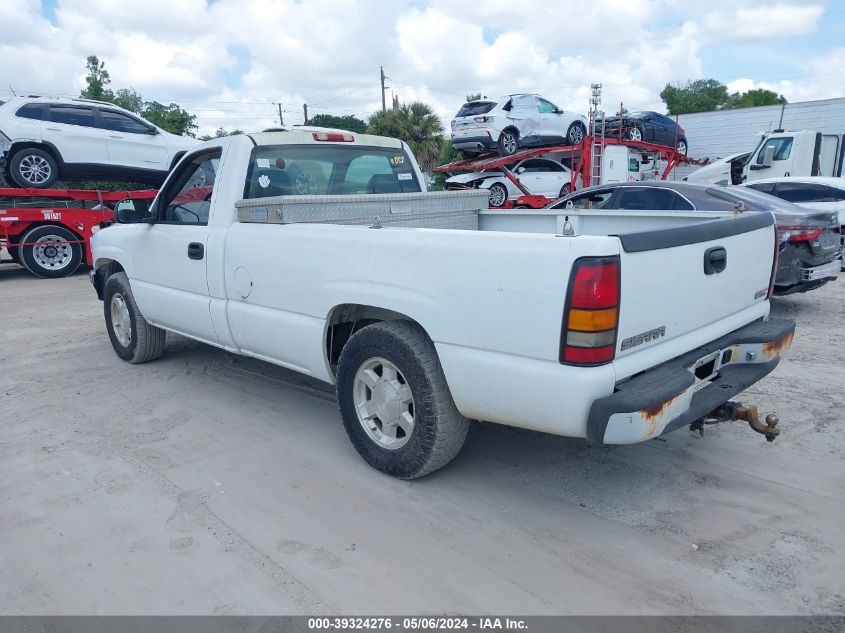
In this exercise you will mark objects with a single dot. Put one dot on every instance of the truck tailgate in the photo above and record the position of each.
(683, 287)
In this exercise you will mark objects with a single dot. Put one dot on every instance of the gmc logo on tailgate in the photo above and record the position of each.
(645, 337)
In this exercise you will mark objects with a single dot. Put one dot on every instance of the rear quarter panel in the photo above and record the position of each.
(491, 302)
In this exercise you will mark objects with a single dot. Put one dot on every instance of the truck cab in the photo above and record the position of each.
(803, 153)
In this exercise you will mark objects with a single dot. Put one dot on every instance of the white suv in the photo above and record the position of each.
(44, 139)
(512, 123)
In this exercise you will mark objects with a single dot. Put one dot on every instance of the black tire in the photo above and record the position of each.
(144, 342)
(682, 146)
(498, 195)
(14, 253)
(439, 430)
(508, 143)
(33, 167)
(565, 190)
(576, 133)
(57, 255)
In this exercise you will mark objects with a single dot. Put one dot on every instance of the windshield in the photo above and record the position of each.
(279, 170)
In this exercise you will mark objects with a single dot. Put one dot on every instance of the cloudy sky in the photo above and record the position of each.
(230, 61)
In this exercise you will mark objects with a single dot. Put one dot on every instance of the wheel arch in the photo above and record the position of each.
(511, 128)
(105, 267)
(344, 319)
(42, 145)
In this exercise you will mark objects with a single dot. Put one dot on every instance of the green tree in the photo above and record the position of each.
(702, 95)
(417, 125)
(172, 118)
(96, 80)
(219, 133)
(754, 98)
(447, 155)
(349, 122)
(475, 96)
(129, 99)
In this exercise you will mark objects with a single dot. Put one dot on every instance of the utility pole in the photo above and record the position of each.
(281, 120)
(305, 112)
(383, 103)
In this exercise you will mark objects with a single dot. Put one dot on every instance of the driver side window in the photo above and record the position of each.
(187, 199)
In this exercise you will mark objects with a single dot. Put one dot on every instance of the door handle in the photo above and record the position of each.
(55, 129)
(196, 250)
(114, 136)
(715, 260)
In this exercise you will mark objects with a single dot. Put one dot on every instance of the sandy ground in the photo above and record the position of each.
(205, 483)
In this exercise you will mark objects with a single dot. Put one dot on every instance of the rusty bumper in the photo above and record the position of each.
(690, 387)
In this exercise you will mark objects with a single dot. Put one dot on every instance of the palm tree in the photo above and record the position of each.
(417, 125)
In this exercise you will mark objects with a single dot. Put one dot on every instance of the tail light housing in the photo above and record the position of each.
(798, 234)
(591, 313)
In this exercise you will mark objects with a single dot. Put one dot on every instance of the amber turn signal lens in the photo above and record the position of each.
(592, 320)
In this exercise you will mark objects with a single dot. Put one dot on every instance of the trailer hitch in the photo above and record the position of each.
(731, 411)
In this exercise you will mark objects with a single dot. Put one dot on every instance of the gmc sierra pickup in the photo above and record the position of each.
(614, 326)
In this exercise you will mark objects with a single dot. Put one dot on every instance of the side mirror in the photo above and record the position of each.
(520, 170)
(768, 156)
(153, 131)
(128, 213)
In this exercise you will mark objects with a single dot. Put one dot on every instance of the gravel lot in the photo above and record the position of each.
(205, 483)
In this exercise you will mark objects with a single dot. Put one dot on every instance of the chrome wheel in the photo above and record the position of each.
(35, 169)
(384, 403)
(634, 134)
(682, 147)
(509, 142)
(121, 324)
(498, 195)
(52, 252)
(576, 135)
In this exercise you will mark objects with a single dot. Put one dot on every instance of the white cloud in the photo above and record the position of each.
(328, 53)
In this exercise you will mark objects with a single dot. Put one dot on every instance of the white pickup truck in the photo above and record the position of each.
(614, 326)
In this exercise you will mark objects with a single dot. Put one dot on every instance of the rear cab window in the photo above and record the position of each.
(474, 108)
(279, 170)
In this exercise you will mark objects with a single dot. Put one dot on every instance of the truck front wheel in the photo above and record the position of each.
(132, 338)
(395, 403)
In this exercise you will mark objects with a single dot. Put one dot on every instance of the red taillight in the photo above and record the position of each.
(595, 285)
(798, 234)
(591, 315)
(334, 137)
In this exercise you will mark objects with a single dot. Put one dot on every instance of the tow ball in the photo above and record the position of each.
(731, 411)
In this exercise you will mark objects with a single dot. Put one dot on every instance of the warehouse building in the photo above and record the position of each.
(724, 132)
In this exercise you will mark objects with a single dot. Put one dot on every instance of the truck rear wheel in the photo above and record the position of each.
(132, 338)
(50, 251)
(395, 403)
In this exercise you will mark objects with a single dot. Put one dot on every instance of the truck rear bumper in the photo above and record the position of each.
(688, 388)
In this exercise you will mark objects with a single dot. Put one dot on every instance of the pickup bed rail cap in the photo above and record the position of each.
(695, 233)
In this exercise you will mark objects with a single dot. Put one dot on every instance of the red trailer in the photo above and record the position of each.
(48, 231)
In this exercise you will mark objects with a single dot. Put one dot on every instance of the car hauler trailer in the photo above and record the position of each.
(48, 231)
(592, 162)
